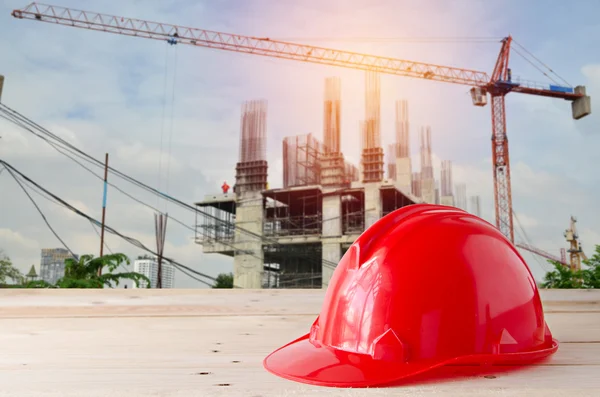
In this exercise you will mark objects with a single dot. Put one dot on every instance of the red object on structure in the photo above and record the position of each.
(397, 307)
(225, 187)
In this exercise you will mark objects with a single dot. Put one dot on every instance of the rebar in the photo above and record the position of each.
(253, 137)
(332, 115)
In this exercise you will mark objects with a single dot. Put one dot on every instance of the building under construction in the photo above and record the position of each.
(293, 237)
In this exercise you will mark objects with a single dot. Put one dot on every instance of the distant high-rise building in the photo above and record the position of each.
(148, 266)
(476, 206)
(52, 264)
(461, 196)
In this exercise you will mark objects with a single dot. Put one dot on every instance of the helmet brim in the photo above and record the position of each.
(301, 361)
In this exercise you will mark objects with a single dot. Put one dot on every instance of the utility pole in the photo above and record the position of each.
(160, 225)
(1, 85)
(103, 209)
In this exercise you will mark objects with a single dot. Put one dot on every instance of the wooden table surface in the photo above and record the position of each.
(212, 343)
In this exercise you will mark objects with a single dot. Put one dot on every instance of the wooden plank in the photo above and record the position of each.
(204, 343)
(121, 302)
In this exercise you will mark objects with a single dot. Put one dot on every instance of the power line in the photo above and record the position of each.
(12, 170)
(40, 212)
(109, 183)
(23, 122)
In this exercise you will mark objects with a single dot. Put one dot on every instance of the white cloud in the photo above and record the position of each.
(104, 93)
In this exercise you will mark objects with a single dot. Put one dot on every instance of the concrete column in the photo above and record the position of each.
(404, 175)
(332, 252)
(332, 216)
(428, 191)
(248, 261)
(332, 229)
(372, 203)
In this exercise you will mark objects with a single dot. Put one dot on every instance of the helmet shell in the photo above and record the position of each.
(424, 286)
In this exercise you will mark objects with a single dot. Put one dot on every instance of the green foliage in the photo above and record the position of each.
(563, 277)
(38, 284)
(224, 280)
(8, 271)
(83, 273)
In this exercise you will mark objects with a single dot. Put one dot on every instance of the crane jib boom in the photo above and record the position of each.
(497, 85)
(253, 45)
(267, 47)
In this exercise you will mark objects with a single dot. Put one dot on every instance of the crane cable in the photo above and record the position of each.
(524, 235)
(171, 126)
(163, 123)
(540, 62)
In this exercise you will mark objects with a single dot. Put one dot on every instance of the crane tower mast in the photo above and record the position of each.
(497, 85)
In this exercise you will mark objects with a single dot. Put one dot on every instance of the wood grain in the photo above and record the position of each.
(212, 343)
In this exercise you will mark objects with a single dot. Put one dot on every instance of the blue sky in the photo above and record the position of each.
(104, 93)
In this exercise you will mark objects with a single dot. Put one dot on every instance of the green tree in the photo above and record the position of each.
(564, 277)
(8, 271)
(591, 275)
(224, 280)
(83, 273)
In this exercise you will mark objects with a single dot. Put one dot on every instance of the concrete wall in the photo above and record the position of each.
(447, 200)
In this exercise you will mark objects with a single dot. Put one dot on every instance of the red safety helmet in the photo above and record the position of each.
(425, 286)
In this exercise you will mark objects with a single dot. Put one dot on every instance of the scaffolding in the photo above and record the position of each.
(392, 199)
(351, 173)
(293, 212)
(353, 211)
(301, 161)
(216, 222)
(293, 266)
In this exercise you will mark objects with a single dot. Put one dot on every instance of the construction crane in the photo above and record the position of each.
(497, 85)
(562, 260)
(576, 254)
